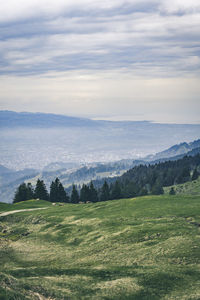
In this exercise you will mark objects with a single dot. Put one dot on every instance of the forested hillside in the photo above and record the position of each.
(79, 173)
(138, 181)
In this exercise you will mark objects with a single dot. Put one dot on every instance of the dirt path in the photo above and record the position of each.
(19, 210)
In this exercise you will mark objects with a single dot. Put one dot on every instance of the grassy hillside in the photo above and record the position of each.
(23, 205)
(188, 188)
(142, 248)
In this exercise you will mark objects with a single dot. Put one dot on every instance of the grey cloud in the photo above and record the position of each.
(124, 34)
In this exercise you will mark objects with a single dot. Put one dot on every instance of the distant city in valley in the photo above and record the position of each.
(34, 140)
(78, 150)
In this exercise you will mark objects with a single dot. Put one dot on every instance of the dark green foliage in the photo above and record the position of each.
(93, 196)
(150, 179)
(116, 191)
(74, 195)
(172, 191)
(41, 191)
(30, 191)
(157, 189)
(195, 174)
(84, 193)
(88, 193)
(105, 192)
(23, 193)
(130, 189)
(57, 192)
(144, 192)
(184, 175)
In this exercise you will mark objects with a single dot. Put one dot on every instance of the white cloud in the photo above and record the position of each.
(180, 6)
(98, 55)
(22, 9)
(140, 39)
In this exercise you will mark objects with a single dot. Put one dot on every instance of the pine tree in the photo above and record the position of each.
(172, 191)
(184, 175)
(105, 192)
(30, 191)
(53, 192)
(63, 197)
(143, 192)
(57, 192)
(93, 196)
(130, 190)
(41, 191)
(157, 189)
(195, 174)
(24, 192)
(21, 193)
(116, 191)
(74, 195)
(84, 193)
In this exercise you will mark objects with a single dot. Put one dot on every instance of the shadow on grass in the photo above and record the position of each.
(154, 284)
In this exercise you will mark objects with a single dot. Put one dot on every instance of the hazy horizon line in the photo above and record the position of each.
(110, 118)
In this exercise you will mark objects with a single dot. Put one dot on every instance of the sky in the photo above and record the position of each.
(115, 60)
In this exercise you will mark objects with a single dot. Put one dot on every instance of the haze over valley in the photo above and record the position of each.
(77, 150)
(33, 140)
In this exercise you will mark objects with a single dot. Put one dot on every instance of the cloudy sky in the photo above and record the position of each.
(113, 59)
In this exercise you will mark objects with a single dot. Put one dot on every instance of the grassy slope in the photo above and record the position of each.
(188, 188)
(143, 248)
(23, 205)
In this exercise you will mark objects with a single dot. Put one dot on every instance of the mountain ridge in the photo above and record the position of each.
(10, 118)
(175, 150)
(69, 173)
(29, 119)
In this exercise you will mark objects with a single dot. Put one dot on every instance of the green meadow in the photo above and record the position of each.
(141, 248)
(188, 188)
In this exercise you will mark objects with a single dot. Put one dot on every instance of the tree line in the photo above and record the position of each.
(26, 192)
(138, 181)
(150, 179)
(87, 193)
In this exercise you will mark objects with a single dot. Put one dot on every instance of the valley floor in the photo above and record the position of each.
(142, 248)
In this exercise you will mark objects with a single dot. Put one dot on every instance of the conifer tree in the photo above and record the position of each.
(74, 195)
(116, 191)
(41, 191)
(57, 192)
(30, 191)
(143, 192)
(105, 192)
(63, 197)
(172, 191)
(53, 192)
(24, 192)
(93, 196)
(157, 189)
(21, 193)
(195, 174)
(184, 175)
(84, 193)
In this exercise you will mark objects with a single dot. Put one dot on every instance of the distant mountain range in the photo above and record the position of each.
(70, 173)
(10, 119)
(35, 140)
(175, 150)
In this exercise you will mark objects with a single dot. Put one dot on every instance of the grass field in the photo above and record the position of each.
(142, 248)
(188, 188)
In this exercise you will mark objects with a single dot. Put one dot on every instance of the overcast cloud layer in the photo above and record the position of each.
(117, 59)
